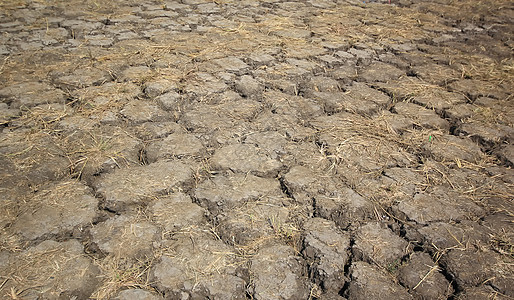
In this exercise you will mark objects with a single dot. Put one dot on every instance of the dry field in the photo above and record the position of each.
(256, 149)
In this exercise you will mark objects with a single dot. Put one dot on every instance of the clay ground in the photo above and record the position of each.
(256, 149)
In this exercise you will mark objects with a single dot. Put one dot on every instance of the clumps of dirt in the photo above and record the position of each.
(245, 158)
(369, 282)
(135, 294)
(421, 116)
(196, 263)
(277, 273)
(126, 236)
(425, 209)
(29, 94)
(34, 157)
(223, 193)
(346, 209)
(256, 223)
(94, 149)
(313, 149)
(176, 211)
(65, 208)
(423, 277)
(145, 182)
(51, 270)
(174, 145)
(379, 245)
(326, 252)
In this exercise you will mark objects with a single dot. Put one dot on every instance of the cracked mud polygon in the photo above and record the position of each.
(256, 149)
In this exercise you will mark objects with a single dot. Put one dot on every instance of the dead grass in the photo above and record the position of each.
(185, 54)
(36, 271)
(118, 275)
(94, 150)
(200, 255)
(502, 243)
(42, 118)
(263, 222)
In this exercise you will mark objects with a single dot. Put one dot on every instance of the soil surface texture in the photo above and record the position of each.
(256, 149)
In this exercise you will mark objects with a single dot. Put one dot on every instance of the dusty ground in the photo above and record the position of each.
(256, 149)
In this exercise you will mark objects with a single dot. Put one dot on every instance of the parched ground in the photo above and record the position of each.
(256, 149)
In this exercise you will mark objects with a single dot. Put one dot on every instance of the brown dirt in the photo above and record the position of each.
(267, 149)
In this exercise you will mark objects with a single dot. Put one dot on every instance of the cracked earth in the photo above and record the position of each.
(256, 149)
